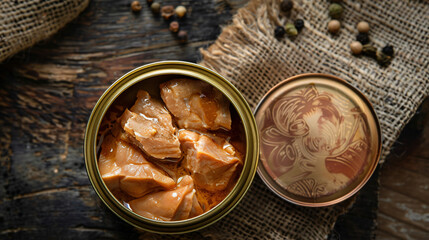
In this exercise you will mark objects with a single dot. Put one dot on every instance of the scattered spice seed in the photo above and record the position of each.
(369, 50)
(286, 5)
(291, 30)
(299, 24)
(388, 50)
(362, 38)
(382, 58)
(279, 32)
(180, 11)
(183, 36)
(363, 27)
(334, 26)
(149, 2)
(155, 7)
(174, 26)
(356, 47)
(136, 6)
(335, 10)
(167, 12)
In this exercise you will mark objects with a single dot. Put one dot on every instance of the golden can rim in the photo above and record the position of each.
(374, 163)
(161, 69)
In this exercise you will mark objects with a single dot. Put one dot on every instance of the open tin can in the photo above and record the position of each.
(320, 140)
(149, 77)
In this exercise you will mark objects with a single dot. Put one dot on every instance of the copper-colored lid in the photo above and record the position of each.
(320, 139)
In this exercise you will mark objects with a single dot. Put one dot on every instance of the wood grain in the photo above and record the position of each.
(47, 93)
(404, 183)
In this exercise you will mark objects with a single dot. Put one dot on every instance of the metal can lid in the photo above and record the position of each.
(320, 139)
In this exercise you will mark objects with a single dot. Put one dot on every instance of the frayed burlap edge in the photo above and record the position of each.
(247, 48)
(25, 23)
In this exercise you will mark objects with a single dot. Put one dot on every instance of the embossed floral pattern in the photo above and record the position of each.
(313, 142)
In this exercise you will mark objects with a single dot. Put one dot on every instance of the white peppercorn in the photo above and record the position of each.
(356, 47)
(180, 11)
(363, 27)
(334, 26)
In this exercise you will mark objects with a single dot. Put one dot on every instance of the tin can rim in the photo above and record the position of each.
(190, 70)
(374, 163)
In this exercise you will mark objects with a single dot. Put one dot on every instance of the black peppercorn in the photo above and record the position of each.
(388, 50)
(299, 24)
(286, 5)
(362, 38)
(279, 32)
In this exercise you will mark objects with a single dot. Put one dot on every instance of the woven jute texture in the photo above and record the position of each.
(24, 23)
(248, 54)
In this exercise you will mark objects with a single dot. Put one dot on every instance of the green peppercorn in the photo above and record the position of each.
(279, 32)
(382, 58)
(388, 50)
(286, 5)
(291, 30)
(155, 7)
(369, 50)
(335, 10)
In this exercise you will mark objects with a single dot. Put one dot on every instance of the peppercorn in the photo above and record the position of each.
(291, 30)
(299, 24)
(335, 10)
(334, 26)
(369, 50)
(136, 6)
(279, 32)
(356, 47)
(363, 27)
(174, 26)
(167, 12)
(362, 38)
(183, 36)
(388, 50)
(155, 7)
(180, 11)
(149, 2)
(382, 58)
(286, 5)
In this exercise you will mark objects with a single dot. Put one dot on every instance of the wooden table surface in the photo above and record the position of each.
(48, 91)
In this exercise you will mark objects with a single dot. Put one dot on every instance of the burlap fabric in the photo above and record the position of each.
(247, 54)
(24, 23)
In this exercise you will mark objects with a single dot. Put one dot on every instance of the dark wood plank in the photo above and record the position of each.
(412, 184)
(46, 95)
(404, 182)
(399, 229)
(381, 235)
(404, 208)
